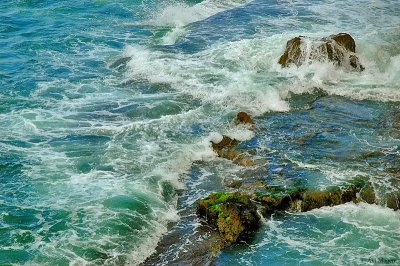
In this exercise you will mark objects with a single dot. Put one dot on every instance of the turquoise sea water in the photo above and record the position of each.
(93, 147)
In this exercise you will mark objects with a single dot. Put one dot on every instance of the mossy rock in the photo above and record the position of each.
(392, 200)
(367, 194)
(350, 194)
(271, 205)
(233, 214)
(294, 191)
(230, 224)
(278, 198)
(317, 199)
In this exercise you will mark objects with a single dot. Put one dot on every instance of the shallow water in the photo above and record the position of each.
(93, 152)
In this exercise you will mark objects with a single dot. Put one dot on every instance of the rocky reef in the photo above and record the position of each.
(236, 215)
(226, 148)
(237, 205)
(339, 49)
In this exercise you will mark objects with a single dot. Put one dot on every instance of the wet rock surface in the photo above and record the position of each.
(226, 148)
(235, 214)
(339, 49)
(243, 118)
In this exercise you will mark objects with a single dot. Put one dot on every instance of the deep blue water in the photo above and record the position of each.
(92, 151)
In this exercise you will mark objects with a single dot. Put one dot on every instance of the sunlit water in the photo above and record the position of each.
(92, 152)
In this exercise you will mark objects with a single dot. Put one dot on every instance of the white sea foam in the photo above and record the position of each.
(175, 14)
(248, 76)
(178, 15)
(335, 237)
(237, 88)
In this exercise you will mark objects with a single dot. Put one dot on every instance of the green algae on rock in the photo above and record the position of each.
(233, 214)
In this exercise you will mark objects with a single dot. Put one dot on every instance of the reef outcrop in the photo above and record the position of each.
(235, 214)
(227, 147)
(339, 49)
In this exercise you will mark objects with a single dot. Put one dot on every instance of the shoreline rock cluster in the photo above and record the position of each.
(236, 215)
(232, 217)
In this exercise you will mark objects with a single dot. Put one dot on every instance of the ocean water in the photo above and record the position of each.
(107, 109)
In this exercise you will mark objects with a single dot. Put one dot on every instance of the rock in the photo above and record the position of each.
(233, 214)
(317, 199)
(392, 200)
(344, 40)
(292, 54)
(359, 190)
(367, 194)
(245, 162)
(233, 183)
(396, 121)
(339, 49)
(393, 171)
(226, 149)
(270, 205)
(226, 142)
(243, 118)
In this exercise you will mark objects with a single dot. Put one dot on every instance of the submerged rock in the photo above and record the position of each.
(339, 49)
(396, 121)
(121, 63)
(305, 100)
(233, 183)
(226, 148)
